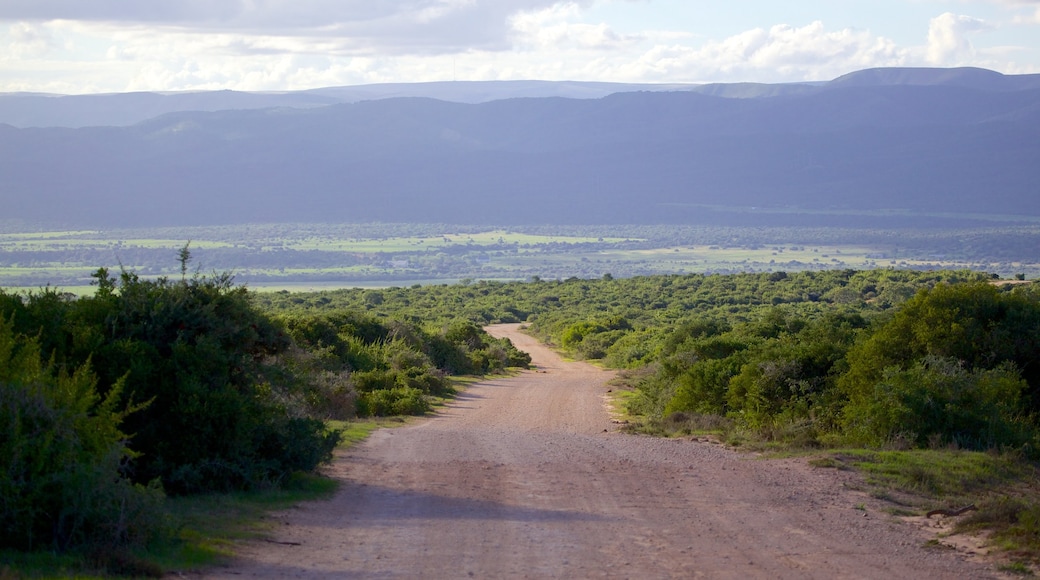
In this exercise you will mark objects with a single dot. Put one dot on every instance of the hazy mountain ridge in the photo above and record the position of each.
(887, 140)
(123, 109)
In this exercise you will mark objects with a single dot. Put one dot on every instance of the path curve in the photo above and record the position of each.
(526, 477)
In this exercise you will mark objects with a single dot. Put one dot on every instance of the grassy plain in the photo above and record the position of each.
(304, 257)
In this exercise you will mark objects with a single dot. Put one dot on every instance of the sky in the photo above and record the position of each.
(100, 46)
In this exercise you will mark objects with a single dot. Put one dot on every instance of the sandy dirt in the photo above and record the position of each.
(527, 477)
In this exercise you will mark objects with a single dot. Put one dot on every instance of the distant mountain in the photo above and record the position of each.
(922, 141)
(967, 77)
(124, 109)
(45, 110)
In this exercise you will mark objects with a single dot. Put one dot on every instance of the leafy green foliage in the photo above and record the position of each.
(200, 353)
(939, 357)
(63, 455)
(392, 401)
(203, 386)
(957, 362)
(392, 367)
(938, 401)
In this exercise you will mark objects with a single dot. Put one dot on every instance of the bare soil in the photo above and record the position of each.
(527, 477)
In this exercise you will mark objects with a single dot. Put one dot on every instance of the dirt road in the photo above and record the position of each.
(526, 477)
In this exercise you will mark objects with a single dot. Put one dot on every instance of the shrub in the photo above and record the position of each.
(973, 323)
(62, 459)
(202, 354)
(940, 401)
(396, 401)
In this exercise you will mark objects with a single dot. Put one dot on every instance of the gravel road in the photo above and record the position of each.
(526, 477)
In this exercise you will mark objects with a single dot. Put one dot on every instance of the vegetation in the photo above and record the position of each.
(64, 457)
(865, 357)
(155, 388)
(316, 256)
(178, 387)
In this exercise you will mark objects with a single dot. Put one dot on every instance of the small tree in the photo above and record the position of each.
(184, 256)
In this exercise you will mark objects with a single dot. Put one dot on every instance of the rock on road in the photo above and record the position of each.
(526, 477)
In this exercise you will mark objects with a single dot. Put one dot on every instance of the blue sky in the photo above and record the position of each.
(85, 46)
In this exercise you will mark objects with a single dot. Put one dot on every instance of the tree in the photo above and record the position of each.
(184, 256)
(975, 327)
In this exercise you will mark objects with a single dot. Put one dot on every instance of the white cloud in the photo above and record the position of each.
(948, 43)
(395, 26)
(1033, 18)
(559, 26)
(551, 43)
(782, 53)
(117, 45)
(27, 40)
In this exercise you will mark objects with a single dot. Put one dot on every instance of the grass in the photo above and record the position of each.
(1018, 568)
(944, 476)
(285, 257)
(356, 431)
(209, 525)
(203, 529)
(714, 427)
(1001, 486)
(15, 565)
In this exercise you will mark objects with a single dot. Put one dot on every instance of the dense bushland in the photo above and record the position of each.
(62, 456)
(199, 354)
(863, 357)
(907, 364)
(154, 387)
(387, 367)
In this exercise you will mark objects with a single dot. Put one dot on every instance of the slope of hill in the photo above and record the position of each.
(45, 110)
(925, 141)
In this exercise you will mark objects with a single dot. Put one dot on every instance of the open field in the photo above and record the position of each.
(316, 256)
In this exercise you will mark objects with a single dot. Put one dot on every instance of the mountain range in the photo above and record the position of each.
(880, 143)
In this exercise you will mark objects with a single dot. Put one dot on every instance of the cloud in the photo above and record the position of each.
(782, 52)
(558, 27)
(1033, 18)
(242, 14)
(27, 40)
(1028, 10)
(948, 43)
(117, 45)
(550, 43)
(398, 26)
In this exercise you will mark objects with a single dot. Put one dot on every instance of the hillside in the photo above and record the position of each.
(920, 141)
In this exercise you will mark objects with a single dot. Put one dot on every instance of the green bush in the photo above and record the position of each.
(702, 388)
(395, 401)
(62, 460)
(974, 323)
(939, 401)
(957, 363)
(201, 354)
